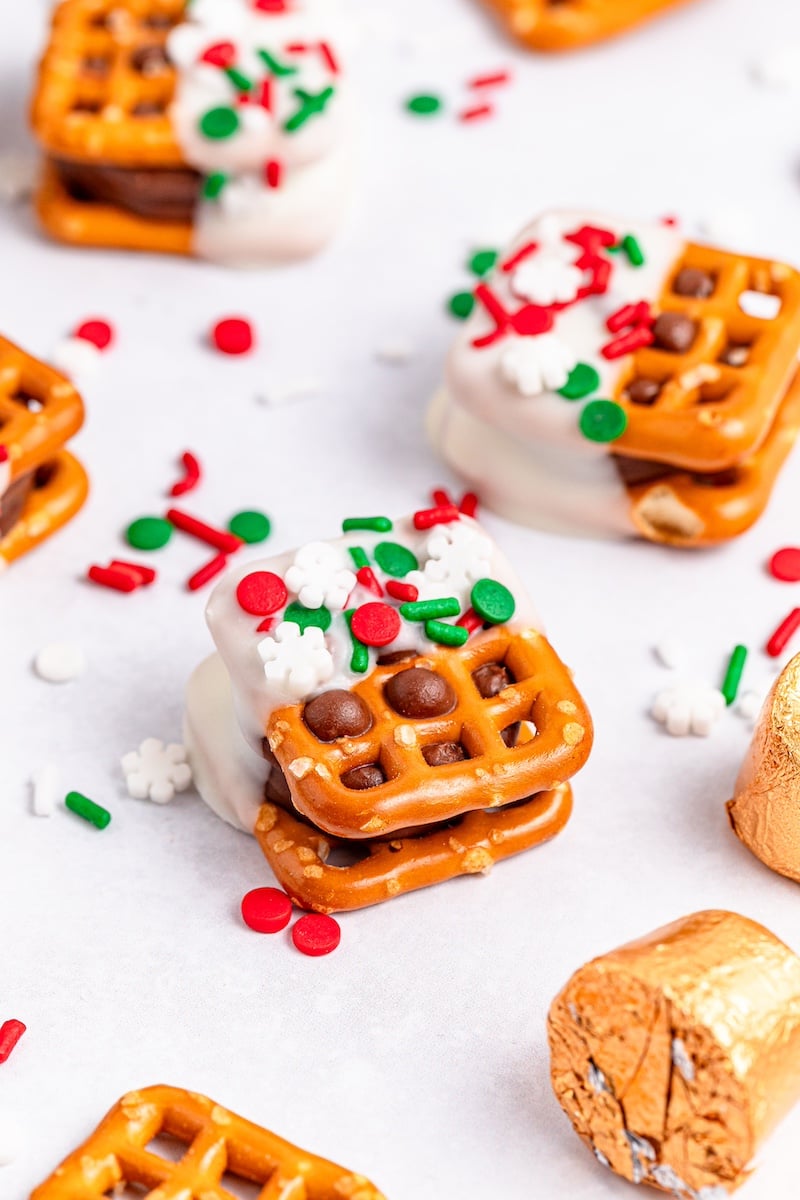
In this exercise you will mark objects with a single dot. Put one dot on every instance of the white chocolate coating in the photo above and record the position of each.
(525, 453)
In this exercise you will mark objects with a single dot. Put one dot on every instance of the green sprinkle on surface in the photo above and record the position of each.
(483, 261)
(424, 105)
(83, 807)
(251, 526)
(149, 533)
(733, 675)
(461, 305)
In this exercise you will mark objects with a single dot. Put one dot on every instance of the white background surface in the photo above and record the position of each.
(417, 1052)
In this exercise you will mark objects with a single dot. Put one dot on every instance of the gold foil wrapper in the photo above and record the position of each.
(676, 1055)
(765, 809)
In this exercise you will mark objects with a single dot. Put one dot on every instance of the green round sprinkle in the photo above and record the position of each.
(308, 617)
(461, 305)
(395, 560)
(149, 533)
(430, 610)
(603, 421)
(251, 527)
(493, 601)
(483, 261)
(82, 806)
(219, 123)
(733, 675)
(583, 380)
(446, 635)
(424, 105)
(373, 524)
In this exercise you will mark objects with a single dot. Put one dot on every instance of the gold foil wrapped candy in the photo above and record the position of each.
(765, 809)
(676, 1055)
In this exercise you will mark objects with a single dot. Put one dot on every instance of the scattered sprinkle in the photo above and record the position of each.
(191, 475)
(780, 638)
(251, 526)
(46, 791)
(689, 708)
(446, 635)
(83, 807)
(10, 1034)
(483, 261)
(493, 602)
(266, 910)
(261, 593)
(733, 675)
(207, 572)
(785, 564)
(233, 335)
(149, 533)
(462, 305)
(156, 771)
(60, 662)
(225, 543)
(496, 79)
(376, 624)
(122, 576)
(477, 113)
(96, 331)
(316, 934)
(424, 105)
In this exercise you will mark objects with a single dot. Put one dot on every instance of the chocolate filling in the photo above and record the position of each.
(13, 501)
(155, 194)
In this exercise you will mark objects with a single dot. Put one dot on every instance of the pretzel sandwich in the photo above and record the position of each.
(569, 24)
(159, 136)
(221, 1149)
(41, 485)
(409, 714)
(616, 379)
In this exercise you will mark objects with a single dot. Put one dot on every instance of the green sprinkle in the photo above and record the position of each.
(252, 527)
(395, 560)
(215, 185)
(603, 421)
(239, 80)
(424, 105)
(493, 601)
(430, 610)
(633, 250)
(583, 380)
(306, 618)
(359, 557)
(446, 635)
(461, 305)
(82, 806)
(373, 524)
(311, 103)
(483, 261)
(274, 65)
(615, 249)
(359, 662)
(219, 123)
(733, 675)
(149, 533)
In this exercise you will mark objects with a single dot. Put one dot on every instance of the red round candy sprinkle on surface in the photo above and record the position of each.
(221, 54)
(98, 332)
(376, 624)
(316, 934)
(266, 910)
(233, 335)
(262, 593)
(785, 564)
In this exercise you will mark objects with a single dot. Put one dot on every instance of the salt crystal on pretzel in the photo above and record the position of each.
(659, 399)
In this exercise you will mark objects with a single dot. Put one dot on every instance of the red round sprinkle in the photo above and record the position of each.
(96, 331)
(221, 54)
(266, 910)
(376, 624)
(785, 564)
(233, 335)
(316, 934)
(262, 593)
(270, 6)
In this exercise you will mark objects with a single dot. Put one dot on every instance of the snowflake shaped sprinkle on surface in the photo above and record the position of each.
(689, 708)
(538, 364)
(458, 556)
(319, 576)
(296, 662)
(156, 771)
(547, 278)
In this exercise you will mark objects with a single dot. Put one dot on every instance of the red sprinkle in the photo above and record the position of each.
(226, 543)
(469, 504)
(366, 577)
(329, 58)
(470, 620)
(785, 564)
(486, 81)
(266, 625)
(782, 634)
(96, 331)
(12, 1031)
(221, 54)
(114, 578)
(3, 454)
(144, 576)
(262, 593)
(273, 173)
(629, 314)
(191, 476)
(376, 624)
(441, 498)
(270, 6)
(636, 339)
(316, 934)
(524, 252)
(233, 335)
(426, 518)
(266, 910)
(477, 113)
(210, 571)
(402, 591)
(264, 95)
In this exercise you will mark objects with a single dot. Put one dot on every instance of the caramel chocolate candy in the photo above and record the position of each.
(359, 779)
(676, 1055)
(765, 809)
(491, 678)
(443, 754)
(336, 714)
(420, 693)
(643, 391)
(675, 332)
(691, 281)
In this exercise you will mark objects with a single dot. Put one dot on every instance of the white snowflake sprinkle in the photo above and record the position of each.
(458, 556)
(547, 278)
(156, 771)
(296, 662)
(319, 575)
(689, 708)
(537, 364)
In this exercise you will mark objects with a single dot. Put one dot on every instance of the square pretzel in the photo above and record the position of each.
(569, 24)
(216, 1144)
